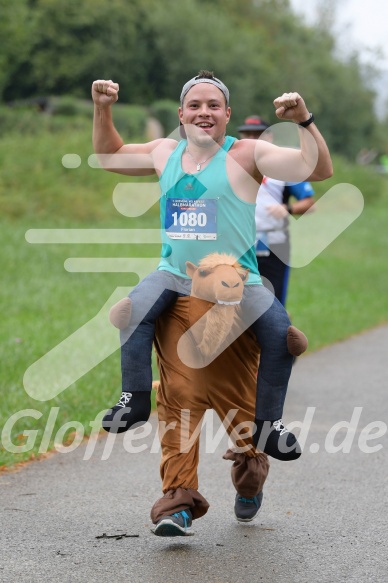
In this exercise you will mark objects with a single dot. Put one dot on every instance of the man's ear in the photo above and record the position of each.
(190, 269)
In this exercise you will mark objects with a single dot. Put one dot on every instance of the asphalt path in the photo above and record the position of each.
(324, 517)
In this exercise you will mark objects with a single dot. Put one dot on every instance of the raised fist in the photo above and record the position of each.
(104, 93)
(291, 106)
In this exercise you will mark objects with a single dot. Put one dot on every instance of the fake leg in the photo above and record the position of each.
(146, 302)
(271, 330)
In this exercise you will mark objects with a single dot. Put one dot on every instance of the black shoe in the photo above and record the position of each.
(178, 524)
(246, 509)
(274, 439)
(133, 409)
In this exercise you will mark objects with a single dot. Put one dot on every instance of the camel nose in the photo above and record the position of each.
(227, 285)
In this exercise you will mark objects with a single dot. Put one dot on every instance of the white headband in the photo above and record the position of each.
(214, 81)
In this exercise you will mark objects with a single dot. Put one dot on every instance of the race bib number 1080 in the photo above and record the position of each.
(191, 219)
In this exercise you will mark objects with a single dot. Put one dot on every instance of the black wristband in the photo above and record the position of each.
(306, 123)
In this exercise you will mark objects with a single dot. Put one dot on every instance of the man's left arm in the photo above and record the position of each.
(311, 162)
(291, 107)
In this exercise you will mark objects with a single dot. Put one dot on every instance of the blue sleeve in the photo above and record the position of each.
(301, 190)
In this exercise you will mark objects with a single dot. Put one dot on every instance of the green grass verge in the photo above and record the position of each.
(343, 291)
(44, 304)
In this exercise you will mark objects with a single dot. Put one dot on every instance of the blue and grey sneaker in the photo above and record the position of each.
(178, 524)
(246, 509)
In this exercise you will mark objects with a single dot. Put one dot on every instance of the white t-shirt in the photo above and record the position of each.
(269, 229)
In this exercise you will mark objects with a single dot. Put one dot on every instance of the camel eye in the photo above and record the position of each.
(203, 272)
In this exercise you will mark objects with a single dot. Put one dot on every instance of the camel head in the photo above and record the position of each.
(218, 278)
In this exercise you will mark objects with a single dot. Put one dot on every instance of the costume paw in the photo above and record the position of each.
(296, 341)
(120, 314)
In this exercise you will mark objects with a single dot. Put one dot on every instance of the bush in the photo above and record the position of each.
(71, 106)
(130, 121)
(29, 117)
(21, 120)
(166, 112)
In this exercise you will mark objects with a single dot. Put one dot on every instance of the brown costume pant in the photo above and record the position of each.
(227, 385)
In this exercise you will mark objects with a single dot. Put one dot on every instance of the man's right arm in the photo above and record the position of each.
(112, 153)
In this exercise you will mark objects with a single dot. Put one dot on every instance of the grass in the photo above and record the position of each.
(43, 305)
(342, 292)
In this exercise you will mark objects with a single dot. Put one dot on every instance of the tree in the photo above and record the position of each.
(259, 47)
(16, 39)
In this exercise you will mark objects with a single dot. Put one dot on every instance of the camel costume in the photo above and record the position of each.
(200, 371)
(207, 359)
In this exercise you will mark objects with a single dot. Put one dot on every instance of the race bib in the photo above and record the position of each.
(191, 219)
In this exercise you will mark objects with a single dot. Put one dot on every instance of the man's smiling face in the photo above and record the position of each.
(205, 115)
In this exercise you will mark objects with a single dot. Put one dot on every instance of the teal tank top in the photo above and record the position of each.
(200, 214)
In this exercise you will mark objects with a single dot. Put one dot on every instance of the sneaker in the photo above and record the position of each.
(132, 409)
(276, 440)
(246, 509)
(178, 524)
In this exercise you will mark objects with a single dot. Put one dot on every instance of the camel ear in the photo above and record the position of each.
(190, 269)
(243, 273)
